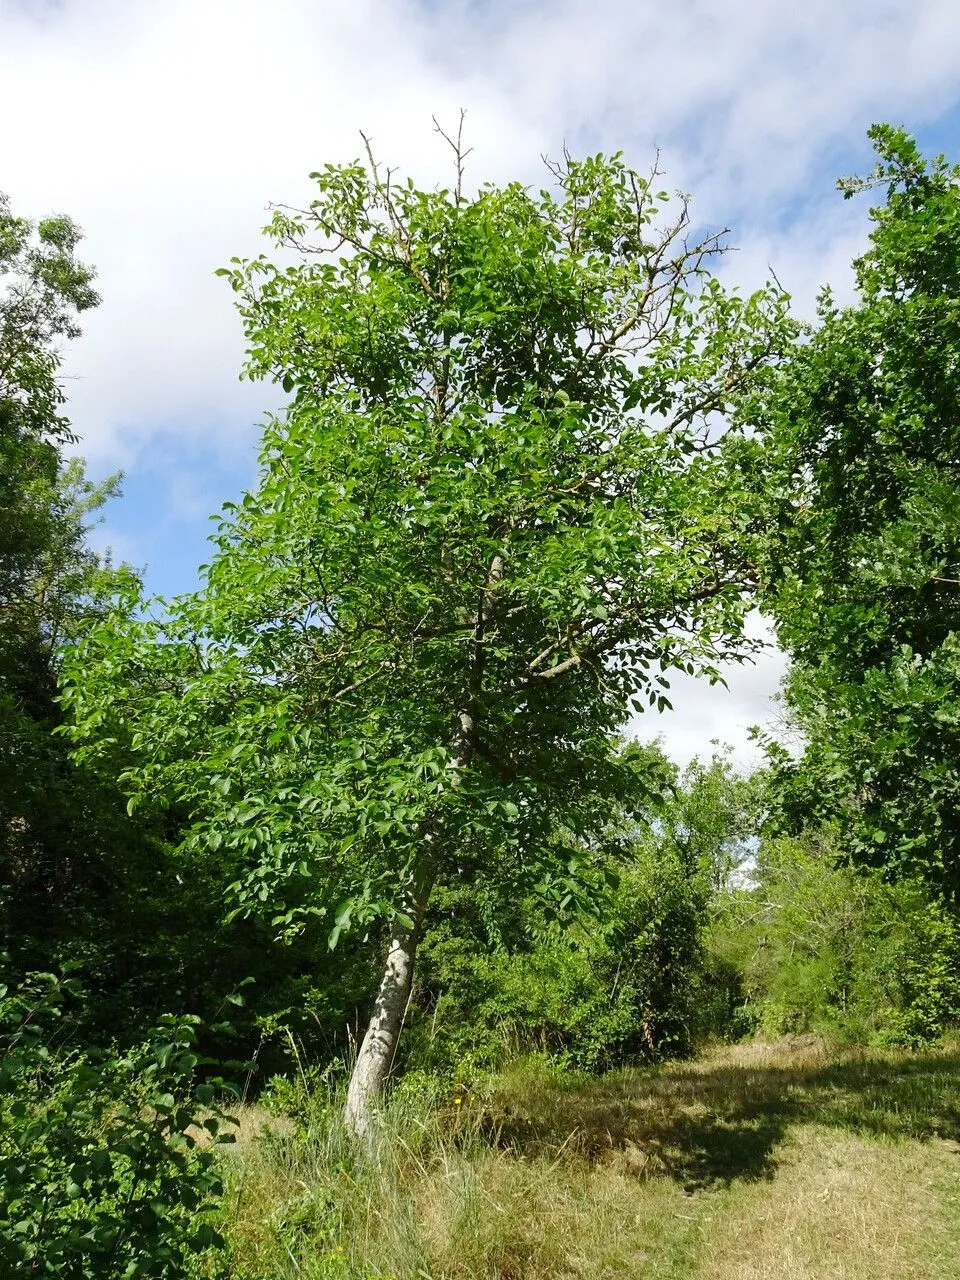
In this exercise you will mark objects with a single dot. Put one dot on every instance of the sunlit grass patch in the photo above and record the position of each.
(757, 1161)
(842, 1207)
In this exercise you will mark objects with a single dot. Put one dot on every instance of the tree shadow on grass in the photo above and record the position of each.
(712, 1123)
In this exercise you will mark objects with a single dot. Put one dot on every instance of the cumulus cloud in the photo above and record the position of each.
(706, 716)
(165, 129)
(747, 96)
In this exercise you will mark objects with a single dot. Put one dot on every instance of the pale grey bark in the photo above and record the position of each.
(379, 1045)
(378, 1048)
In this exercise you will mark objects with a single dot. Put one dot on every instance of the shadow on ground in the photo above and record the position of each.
(710, 1123)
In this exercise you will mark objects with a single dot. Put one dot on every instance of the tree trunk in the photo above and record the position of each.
(379, 1045)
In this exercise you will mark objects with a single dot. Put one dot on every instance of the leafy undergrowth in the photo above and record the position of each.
(779, 1161)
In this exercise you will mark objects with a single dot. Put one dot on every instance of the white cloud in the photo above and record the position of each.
(165, 129)
(706, 714)
(742, 90)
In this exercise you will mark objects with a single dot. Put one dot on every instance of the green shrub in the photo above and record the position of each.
(911, 971)
(600, 993)
(100, 1171)
(822, 946)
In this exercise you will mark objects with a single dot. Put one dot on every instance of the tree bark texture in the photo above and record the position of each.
(379, 1045)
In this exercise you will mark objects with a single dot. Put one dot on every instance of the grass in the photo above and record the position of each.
(780, 1161)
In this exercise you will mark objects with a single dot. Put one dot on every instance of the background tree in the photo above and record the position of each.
(866, 583)
(49, 580)
(625, 978)
(44, 291)
(505, 499)
(81, 883)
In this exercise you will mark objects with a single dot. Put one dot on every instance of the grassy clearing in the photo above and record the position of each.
(758, 1161)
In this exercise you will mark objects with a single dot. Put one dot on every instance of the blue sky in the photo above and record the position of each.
(165, 129)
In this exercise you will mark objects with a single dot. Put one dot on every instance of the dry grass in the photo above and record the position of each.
(759, 1161)
(840, 1208)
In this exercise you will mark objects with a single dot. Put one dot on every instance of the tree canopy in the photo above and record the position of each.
(508, 495)
(51, 583)
(866, 580)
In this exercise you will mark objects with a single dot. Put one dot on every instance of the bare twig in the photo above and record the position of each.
(456, 145)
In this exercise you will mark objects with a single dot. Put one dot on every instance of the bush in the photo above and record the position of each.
(101, 1173)
(598, 994)
(822, 946)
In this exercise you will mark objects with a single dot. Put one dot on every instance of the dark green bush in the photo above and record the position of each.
(100, 1164)
(600, 993)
